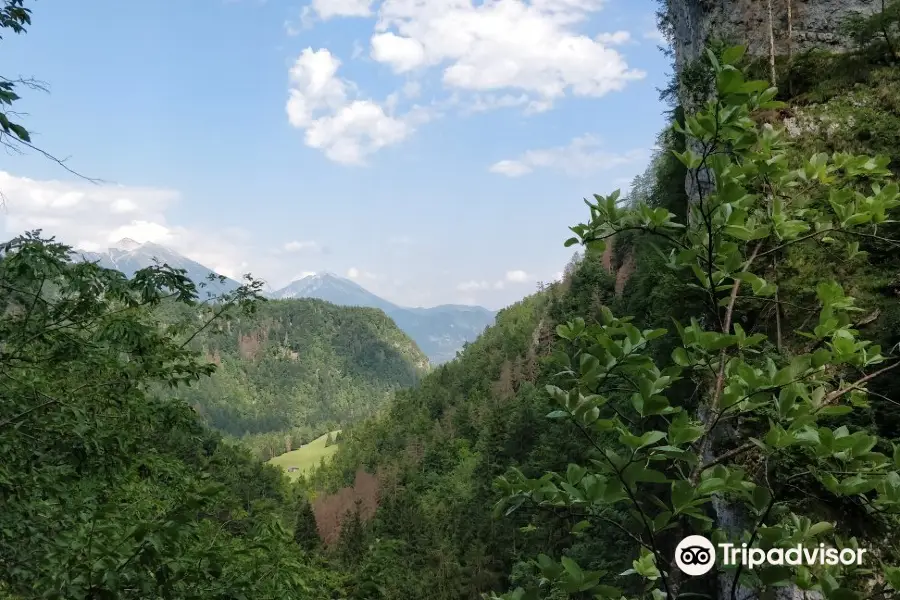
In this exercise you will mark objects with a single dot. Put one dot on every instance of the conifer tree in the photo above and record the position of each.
(352, 542)
(306, 533)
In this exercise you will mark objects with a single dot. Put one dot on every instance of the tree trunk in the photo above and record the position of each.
(790, 46)
(771, 44)
(777, 307)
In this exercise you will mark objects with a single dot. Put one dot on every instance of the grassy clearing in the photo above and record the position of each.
(305, 457)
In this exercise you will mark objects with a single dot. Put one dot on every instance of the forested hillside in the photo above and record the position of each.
(720, 358)
(748, 394)
(295, 369)
(108, 490)
(438, 449)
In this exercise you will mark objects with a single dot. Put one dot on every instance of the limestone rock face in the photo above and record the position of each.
(815, 24)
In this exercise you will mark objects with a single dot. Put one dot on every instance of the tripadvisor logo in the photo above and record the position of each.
(695, 555)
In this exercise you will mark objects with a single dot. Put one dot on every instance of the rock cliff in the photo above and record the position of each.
(812, 23)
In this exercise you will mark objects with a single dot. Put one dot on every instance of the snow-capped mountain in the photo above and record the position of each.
(129, 256)
(334, 289)
(439, 331)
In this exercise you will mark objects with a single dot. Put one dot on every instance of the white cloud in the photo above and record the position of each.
(327, 9)
(517, 276)
(347, 130)
(354, 273)
(404, 54)
(581, 157)
(299, 246)
(616, 38)
(491, 54)
(92, 217)
(510, 168)
(531, 47)
(123, 205)
(485, 102)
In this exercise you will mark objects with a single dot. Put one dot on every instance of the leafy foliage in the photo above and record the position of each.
(14, 16)
(878, 32)
(665, 464)
(107, 489)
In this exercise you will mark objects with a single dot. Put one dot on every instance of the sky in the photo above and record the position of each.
(435, 151)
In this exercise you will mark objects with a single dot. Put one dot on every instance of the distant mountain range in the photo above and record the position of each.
(129, 256)
(439, 331)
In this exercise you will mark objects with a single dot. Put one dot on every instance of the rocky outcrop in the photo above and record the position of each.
(814, 24)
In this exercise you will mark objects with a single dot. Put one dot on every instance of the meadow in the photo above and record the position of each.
(305, 457)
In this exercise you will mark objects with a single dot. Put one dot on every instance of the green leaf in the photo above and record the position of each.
(761, 497)
(733, 55)
(819, 529)
(647, 439)
(575, 473)
(20, 132)
(684, 433)
(572, 568)
(636, 472)
(682, 495)
(680, 357)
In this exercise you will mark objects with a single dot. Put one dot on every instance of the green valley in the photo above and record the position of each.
(717, 365)
(294, 369)
(308, 456)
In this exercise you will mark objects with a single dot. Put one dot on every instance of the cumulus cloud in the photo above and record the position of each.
(529, 47)
(93, 217)
(491, 55)
(354, 273)
(582, 156)
(485, 102)
(326, 9)
(403, 54)
(616, 38)
(347, 130)
(516, 276)
(510, 168)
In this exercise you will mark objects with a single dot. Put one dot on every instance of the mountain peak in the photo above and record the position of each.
(127, 244)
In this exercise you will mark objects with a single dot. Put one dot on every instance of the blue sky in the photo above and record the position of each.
(434, 150)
